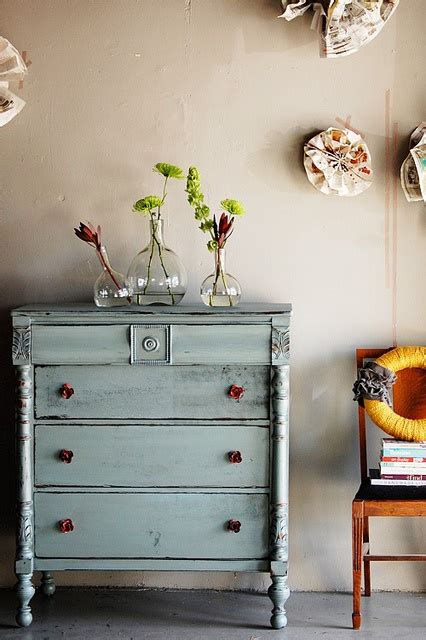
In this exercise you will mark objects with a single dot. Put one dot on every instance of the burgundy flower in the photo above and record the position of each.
(224, 229)
(89, 234)
(236, 392)
(235, 457)
(66, 526)
(234, 526)
(66, 391)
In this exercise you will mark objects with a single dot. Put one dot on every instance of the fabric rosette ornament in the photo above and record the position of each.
(344, 25)
(338, 162)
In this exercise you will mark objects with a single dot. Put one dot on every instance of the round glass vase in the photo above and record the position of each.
(156, 274)
(110, 289)
(220, 289)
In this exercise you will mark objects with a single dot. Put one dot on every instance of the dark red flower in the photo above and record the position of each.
(236, 392)
(89, 234)
(234, 526)
(66, 391)
(66, 526)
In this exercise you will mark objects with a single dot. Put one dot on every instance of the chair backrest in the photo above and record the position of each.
(409, 398)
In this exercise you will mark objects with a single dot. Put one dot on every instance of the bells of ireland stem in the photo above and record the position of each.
(156, 274)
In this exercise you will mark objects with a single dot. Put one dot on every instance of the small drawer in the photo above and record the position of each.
(102, 392)
(151, 344)
(151, 456)
(149, 525)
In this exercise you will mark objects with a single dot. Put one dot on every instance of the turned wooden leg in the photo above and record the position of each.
(47, 584)
(24, 591)
(279, 594)
(24, 505)
(357, 537)
(367, 565)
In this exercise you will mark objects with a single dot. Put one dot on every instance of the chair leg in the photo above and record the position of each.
(367, 565)
(357, 536)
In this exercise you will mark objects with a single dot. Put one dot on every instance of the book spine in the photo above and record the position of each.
(390, 443)
(401, 483)
(416, 466)
(413, 453)
(415, 459)
(403, 476)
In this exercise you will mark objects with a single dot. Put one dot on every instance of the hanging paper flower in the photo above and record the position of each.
(338, 162)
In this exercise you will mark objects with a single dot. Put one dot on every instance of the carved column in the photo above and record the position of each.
(24, 506)
(279, 591)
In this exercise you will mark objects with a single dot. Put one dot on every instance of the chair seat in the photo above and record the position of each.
(368, 491)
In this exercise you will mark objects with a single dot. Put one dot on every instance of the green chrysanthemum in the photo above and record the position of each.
(147, 204)
(169, 170)
(234, 207)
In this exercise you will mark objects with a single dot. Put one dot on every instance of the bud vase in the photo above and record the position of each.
(110, 289)
(220, 289)
(156, 274)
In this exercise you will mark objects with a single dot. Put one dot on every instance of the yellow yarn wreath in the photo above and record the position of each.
(381, 414)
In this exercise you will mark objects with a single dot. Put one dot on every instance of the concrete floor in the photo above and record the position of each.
(95, 614)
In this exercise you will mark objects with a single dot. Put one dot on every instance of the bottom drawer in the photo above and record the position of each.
(148, 525)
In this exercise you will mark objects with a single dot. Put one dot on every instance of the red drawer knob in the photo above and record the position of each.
(235, 457)
(66, 391)
(236, 392)
(66, 526)
(66, 456)
(234, 526)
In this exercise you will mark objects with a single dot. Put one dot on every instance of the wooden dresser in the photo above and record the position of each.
(152, 438)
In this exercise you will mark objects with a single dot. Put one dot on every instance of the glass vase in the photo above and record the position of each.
(110, 289)
(220, 289)
(156, 274)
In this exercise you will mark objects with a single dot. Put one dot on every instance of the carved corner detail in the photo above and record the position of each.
(21, 344)
(278, 539)
(280, 343)
(24, 532)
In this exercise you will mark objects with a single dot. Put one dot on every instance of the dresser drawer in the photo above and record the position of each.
(112, 525)
(152, 456)
(102, 392)
(180, 344)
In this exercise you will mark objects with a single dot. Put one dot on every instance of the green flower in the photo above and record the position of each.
(234, 207)
(206, 225)
(212, 245)
(145, 205)
(202, 212)
(169, 170)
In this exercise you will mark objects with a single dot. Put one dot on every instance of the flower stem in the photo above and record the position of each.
(108, 268)
(160, 255)
(148, 273)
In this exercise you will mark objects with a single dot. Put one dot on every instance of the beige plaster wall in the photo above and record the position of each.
(117, 85)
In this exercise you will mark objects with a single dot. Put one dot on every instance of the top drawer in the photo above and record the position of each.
(151, 344)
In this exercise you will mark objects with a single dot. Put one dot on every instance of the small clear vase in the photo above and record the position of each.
(156, 274)
(220, 289)
(110, 289)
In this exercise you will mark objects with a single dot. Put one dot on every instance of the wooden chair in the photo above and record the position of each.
(377, 500)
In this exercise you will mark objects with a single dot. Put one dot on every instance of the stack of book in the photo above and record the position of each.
(401, 463)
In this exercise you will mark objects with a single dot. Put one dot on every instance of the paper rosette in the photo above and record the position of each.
(10, 105)
(12, 66)
(413, 170)
(338, 162)
(344, 25)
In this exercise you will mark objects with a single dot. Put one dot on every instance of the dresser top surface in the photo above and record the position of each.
(60, 310)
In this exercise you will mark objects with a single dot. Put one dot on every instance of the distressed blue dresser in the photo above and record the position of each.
(152, 438)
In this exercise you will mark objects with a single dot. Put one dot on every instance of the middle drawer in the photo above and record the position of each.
(153, 392)
(151, 456)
